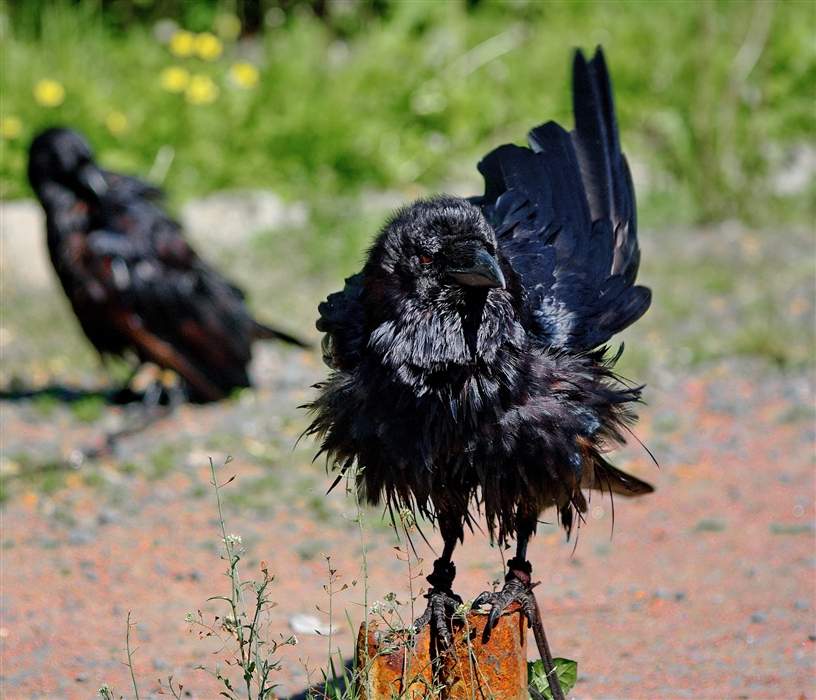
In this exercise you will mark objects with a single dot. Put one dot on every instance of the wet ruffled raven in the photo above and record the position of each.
(133, 281)
(468, 355)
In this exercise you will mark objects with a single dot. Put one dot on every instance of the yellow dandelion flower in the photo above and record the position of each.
(49, 92)
(208, 46)
(117, 123)
(244, 75)
(175, 79)
(182, 43)
(228, 27)
(201, 90)
(11, 127)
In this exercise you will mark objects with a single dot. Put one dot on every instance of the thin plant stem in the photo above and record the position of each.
(361, 530)
(330, 591)
(130, 658)
(236, 599)
(406, 520)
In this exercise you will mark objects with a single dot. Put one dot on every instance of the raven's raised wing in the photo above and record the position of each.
(564, 215)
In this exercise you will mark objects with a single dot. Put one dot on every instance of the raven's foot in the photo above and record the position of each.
(157, 388)
(517, 589)
(442, 602)
(156, 399)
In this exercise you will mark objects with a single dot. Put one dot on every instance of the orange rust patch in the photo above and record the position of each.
(481, 669)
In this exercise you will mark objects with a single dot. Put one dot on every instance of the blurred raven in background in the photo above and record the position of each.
(468, 357)
(133, 281)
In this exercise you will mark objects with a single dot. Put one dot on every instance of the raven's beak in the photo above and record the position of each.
(472, 266)
(91, 178)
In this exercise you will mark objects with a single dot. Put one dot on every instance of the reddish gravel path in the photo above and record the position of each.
(706, 590)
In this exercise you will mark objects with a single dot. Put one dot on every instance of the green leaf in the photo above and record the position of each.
(566, 671)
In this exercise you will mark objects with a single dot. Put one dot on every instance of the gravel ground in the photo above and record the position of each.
(706, 590)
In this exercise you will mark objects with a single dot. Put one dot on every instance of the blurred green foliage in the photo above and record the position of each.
(712, 96)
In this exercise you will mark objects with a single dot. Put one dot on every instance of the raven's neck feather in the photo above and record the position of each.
(428, 338)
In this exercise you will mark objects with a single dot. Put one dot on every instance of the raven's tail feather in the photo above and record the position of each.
(605, 477)
(262, 332)
(604, 169)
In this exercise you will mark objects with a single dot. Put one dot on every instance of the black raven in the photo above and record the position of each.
(468, 357)
(132, 279)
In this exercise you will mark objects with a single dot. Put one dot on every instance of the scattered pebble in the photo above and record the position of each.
(602, 548)
(759, 617)
(709, 525)
(107, 516)
(309, 624)
(80, 536)
(49, 542)
(791, 528)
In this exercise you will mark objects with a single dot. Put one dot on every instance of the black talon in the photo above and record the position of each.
(441, 607)
(517, 589)
(442, 602)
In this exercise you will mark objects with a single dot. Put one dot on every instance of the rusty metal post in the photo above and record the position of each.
(479, 671)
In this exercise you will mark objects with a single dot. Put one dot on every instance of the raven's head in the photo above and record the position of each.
(62, 156)
(436, 289)
(437, 250)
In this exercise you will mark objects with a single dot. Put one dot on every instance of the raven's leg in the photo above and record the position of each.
(518, 587)
(442, 601)
(161, 397)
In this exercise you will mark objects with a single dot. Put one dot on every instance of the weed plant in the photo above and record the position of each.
(248, 646)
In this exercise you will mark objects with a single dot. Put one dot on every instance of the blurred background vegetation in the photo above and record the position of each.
(341, 103)
(323, 97)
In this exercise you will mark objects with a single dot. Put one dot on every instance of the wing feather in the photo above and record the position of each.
(564, 215)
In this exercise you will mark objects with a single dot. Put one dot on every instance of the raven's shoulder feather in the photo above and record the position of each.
(342, 319)
(564, 215)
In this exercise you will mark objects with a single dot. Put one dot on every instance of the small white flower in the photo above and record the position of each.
(377, 607)
(232, 540)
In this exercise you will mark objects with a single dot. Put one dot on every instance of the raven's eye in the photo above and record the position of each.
(426, 259)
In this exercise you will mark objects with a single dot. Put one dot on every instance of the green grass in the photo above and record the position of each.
(710, 96)
(88, 409)
(162, 462)
(46, 477)
(724, 292)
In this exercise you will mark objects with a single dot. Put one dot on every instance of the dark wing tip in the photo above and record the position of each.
(263, 332)
(613, 480)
